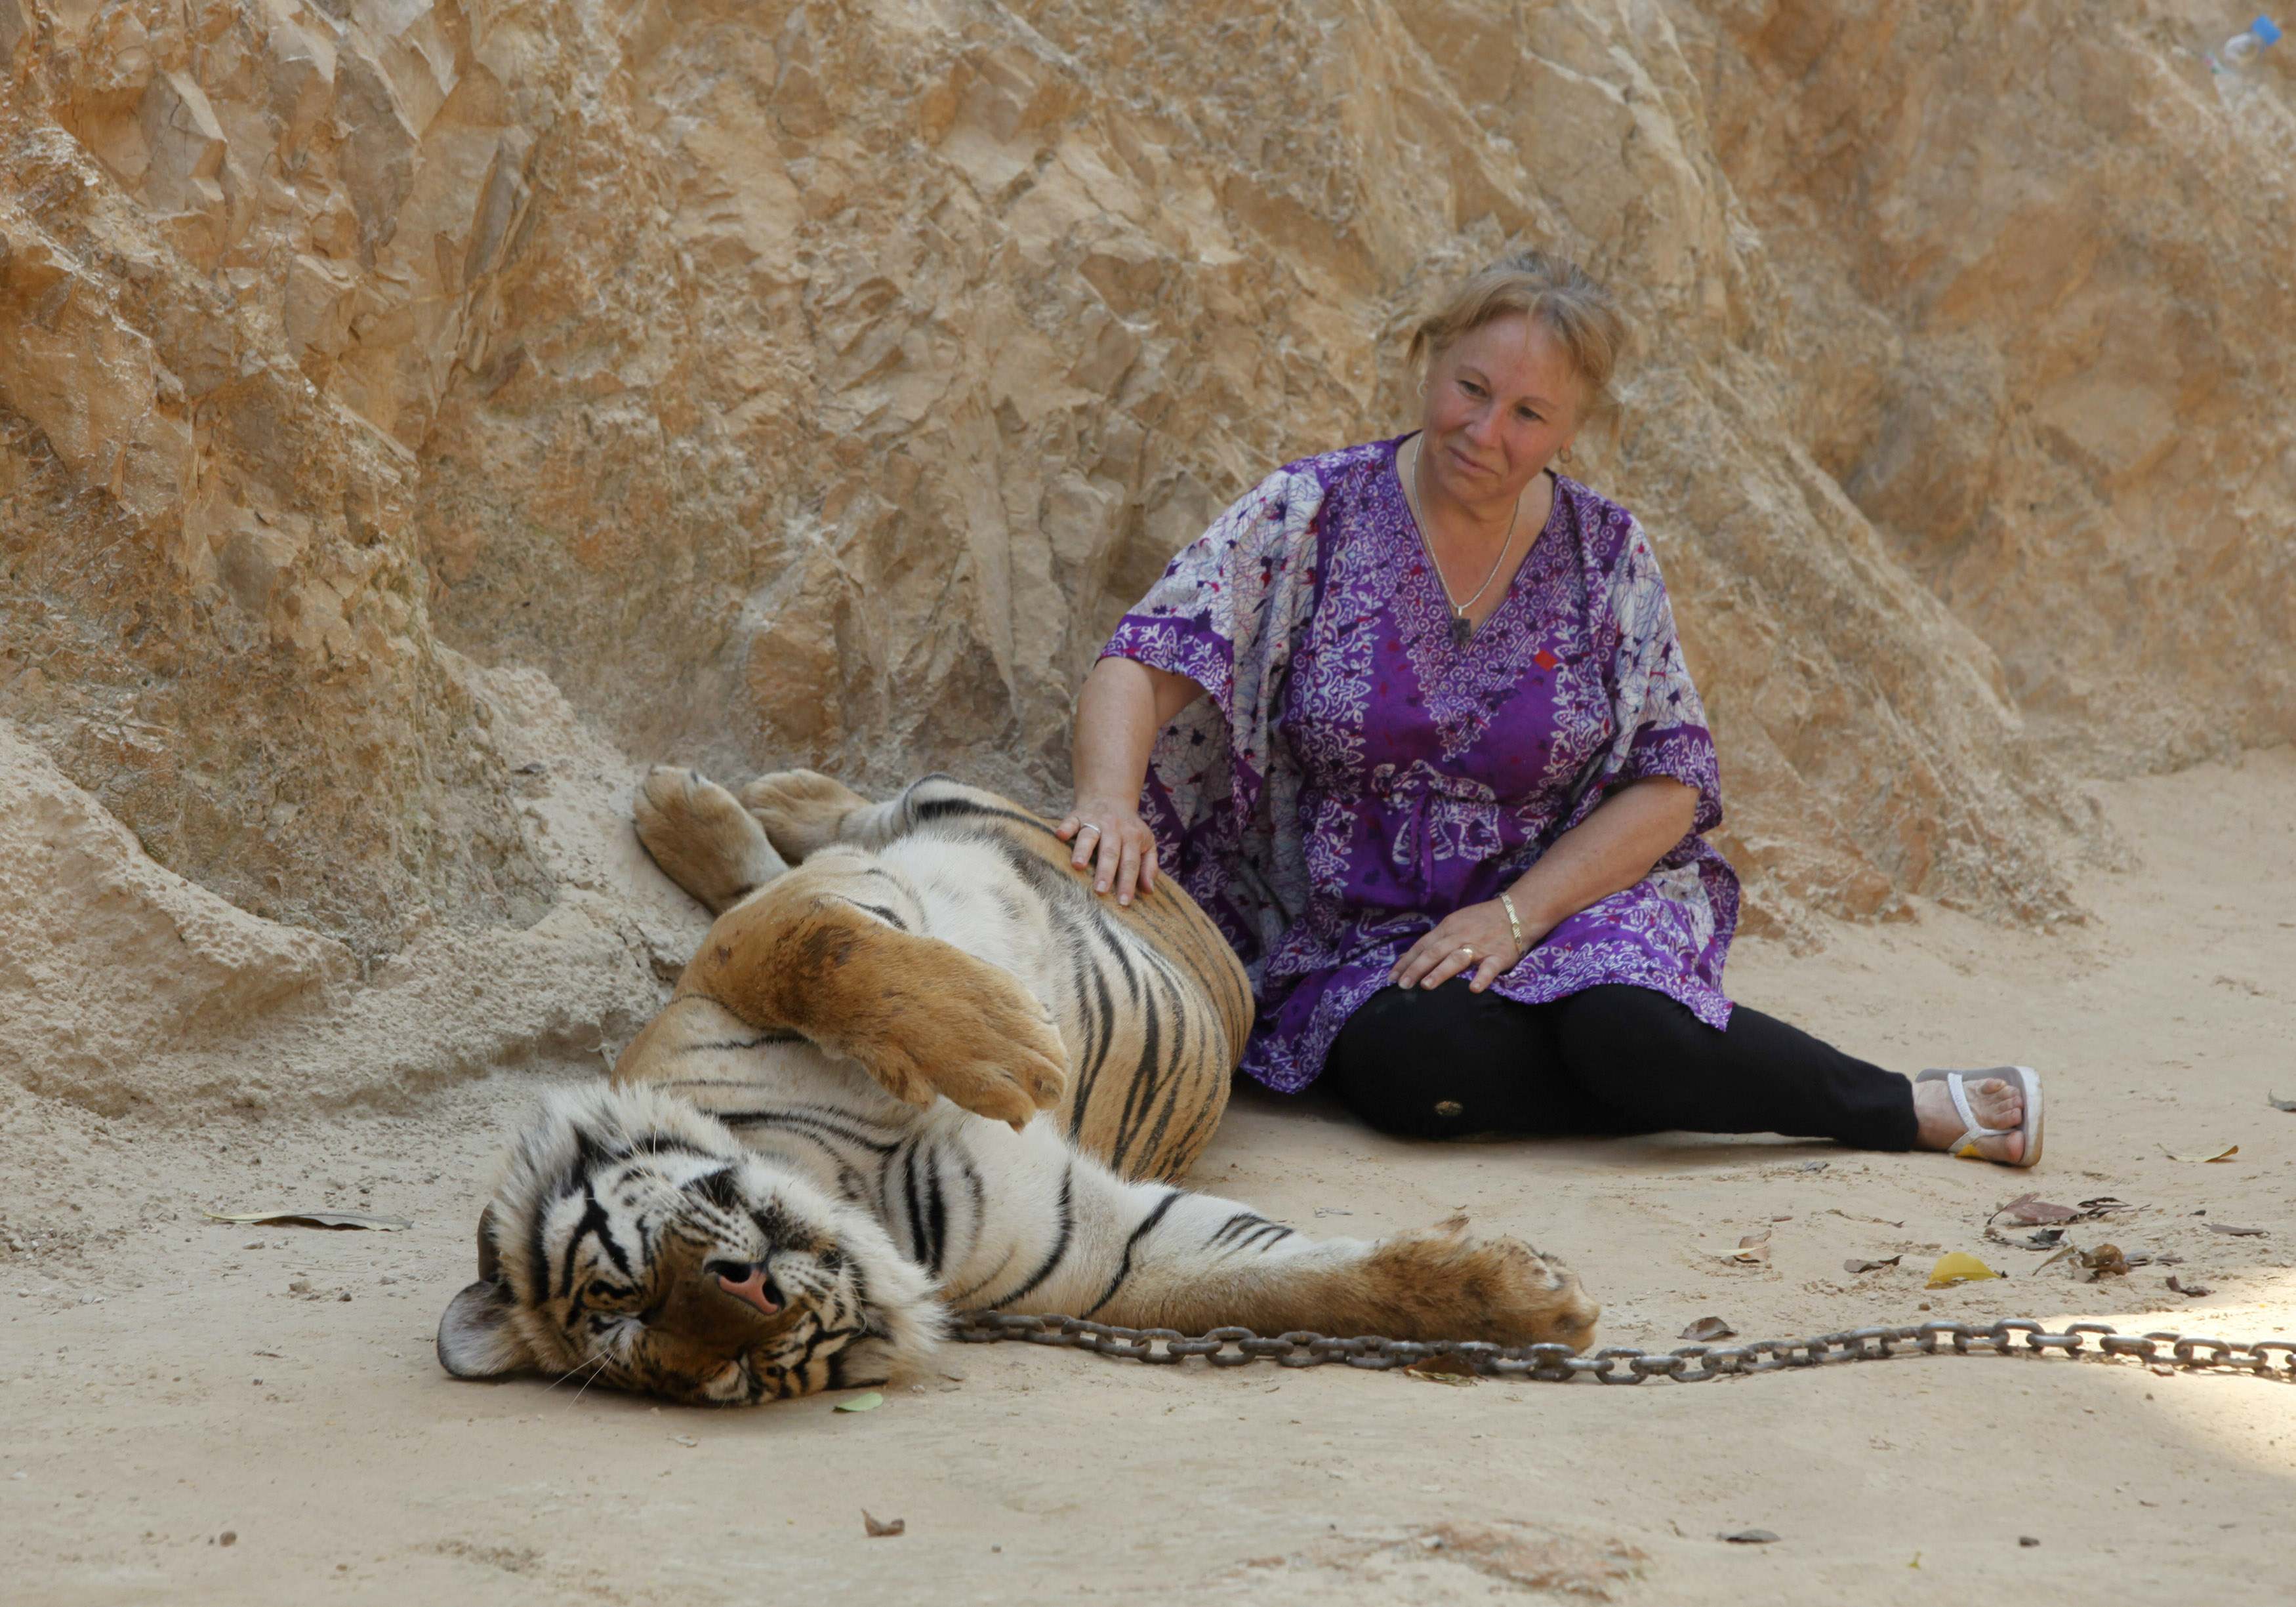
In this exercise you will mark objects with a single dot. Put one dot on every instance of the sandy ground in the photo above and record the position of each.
(165, 1381)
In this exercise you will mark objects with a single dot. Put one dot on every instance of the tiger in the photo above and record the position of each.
(917, 1068)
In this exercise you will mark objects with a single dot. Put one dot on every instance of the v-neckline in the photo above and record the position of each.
(1426, 549)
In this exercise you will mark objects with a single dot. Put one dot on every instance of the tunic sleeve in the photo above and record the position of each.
(1660, 723)
(1227, 613)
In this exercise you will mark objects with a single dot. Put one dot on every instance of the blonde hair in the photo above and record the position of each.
(1557, 292)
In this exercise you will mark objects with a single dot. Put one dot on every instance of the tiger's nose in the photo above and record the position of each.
(748, 1283)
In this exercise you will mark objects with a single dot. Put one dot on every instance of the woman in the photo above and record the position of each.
(1411, 721)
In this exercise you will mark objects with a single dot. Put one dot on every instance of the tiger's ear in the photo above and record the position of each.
(489, 1259)
(476, 1338)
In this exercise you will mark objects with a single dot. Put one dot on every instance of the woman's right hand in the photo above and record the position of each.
(1125, 846)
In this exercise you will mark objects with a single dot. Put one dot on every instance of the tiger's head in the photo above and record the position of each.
(637, 1242)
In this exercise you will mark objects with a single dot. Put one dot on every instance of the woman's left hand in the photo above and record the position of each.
(1482, 929)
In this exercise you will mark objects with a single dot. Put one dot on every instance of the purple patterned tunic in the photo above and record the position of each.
(1354, 776)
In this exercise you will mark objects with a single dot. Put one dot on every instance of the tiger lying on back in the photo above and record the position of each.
(917, 1067)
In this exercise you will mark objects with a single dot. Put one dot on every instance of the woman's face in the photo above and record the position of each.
(1501, 401)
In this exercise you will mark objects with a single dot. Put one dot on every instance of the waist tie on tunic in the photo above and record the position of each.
(1442, 817)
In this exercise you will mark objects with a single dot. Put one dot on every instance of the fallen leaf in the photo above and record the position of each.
(1857, 1266)
(2224, 1155)
(2195, 1290)
(2030, 1210)
(1754, 1249)
(1441, 1370)
(2105, 1262)
(2104, 1205)
(1748, 1537)
(2070, 1250)
(869, 1402)
(1958, 1266)
(687, 1440)
(1846, 1217)
(877, 1531)
(386, 1225)
(2278, 1104)
(2237, 1233)
(2040, 1238)
(1708, 1328)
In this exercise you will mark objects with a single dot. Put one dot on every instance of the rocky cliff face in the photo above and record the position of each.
(415, 414)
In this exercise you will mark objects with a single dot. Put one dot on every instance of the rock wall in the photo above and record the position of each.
(806, 383)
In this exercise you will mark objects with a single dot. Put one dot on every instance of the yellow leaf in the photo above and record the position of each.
(1958, 1266)
(2226, 1153)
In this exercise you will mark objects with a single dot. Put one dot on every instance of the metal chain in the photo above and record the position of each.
(1691, 1365)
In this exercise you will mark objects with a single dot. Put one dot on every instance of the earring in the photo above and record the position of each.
(1563, 456)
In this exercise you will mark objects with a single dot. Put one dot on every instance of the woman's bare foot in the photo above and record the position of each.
(1995, 1103)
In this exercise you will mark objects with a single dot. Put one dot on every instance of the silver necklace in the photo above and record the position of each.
(1462, 630)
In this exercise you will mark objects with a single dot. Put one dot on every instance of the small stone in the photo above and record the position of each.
(2028, 1540)
(229, 1537)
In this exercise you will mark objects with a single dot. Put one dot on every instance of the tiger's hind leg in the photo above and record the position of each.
(803, 811)
(702, 836)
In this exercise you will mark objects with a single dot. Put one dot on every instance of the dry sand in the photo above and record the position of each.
(164, 1379)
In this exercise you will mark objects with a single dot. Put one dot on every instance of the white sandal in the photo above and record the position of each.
(1965, 1147)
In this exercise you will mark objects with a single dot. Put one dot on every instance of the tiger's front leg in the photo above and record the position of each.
(1214, 1263)
(1148, 1256)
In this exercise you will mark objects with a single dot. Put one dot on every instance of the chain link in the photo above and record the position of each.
(1616, 1365)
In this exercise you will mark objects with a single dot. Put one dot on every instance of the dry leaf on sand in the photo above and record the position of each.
(1441, 1370)
(1854, 1266)
(1753, 1249)
(1748, 1537)
(2278, 1104)
(2226, 1153)
(1708, 1328)
(2030, 1210)
(2237, 1233)
(1958, 1266)
(2105, 1262)
(876, 1531)
(292, 1218)
(2194, 1291)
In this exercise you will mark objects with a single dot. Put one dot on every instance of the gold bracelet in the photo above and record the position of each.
(1506, 902)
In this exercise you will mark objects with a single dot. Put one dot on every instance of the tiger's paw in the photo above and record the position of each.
(993, 1051)
(1440, 1285)
(800, 810)
(700, 837)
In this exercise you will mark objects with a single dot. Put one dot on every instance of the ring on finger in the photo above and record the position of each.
(1467, 949)
(1088, 826)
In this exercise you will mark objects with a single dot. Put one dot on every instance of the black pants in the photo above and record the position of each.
(1446, 1062)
